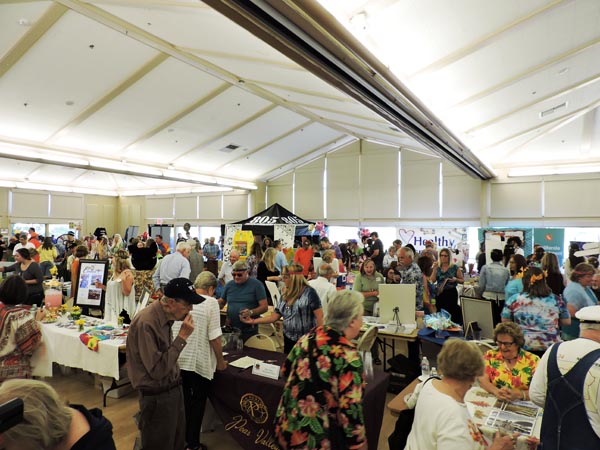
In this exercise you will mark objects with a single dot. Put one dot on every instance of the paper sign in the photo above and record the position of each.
(266, 370)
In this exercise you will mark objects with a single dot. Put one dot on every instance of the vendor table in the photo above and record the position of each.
(64, 347)
(390, 338)
(480, 404)
(247, 403)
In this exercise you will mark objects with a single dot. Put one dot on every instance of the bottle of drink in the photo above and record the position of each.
(433, 372)
(425, 367)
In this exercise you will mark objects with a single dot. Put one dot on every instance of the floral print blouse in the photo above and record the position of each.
(321, 403)
(519, 377)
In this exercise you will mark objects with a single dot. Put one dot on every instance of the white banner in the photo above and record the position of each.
(285, 234)
(230, 231)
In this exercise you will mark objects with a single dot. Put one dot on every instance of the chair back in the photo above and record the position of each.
(261, 341)
(367, 339)
(274, 291)
(484, 347)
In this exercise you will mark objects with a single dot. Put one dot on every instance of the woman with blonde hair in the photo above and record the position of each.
(300, 307)
(49, 424)
(117, 244)
(267, 271)
(120, 291)
(329, 258)
(447, 275)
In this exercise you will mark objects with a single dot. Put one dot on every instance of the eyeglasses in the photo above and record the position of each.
(237, 274)
(505, 344)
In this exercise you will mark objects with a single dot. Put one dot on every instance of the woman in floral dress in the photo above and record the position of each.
(508, 370)
(321, 405)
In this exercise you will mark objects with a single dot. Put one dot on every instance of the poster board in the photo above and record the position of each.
(144, 299)
(402, 296)
(480, 311)
(242, 242)
(91, 271)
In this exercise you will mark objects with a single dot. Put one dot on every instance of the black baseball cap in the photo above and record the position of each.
(183, 289)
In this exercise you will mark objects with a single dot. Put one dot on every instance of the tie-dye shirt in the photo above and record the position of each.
(538, 318)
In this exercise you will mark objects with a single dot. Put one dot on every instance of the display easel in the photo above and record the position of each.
(473, 330)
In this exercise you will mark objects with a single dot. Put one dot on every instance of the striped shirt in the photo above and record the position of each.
(198, 355)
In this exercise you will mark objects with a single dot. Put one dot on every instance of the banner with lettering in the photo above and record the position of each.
(452, 238)
(552, 240)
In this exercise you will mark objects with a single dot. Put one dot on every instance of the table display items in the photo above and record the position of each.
(440, 322)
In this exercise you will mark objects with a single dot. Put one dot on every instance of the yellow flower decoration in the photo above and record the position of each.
(535, 278)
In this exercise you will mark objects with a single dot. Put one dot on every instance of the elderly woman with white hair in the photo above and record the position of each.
(48, 423)
(321, 402)
(442, 420)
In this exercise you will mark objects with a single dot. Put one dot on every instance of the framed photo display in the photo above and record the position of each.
(90, 272)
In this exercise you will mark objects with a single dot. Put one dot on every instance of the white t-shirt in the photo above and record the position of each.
(198, 355)
(442, 423)
(568, 354)
(29, 246)
(325, 289)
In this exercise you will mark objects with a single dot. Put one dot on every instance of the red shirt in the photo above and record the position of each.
(304, 258)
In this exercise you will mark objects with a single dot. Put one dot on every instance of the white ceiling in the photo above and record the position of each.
(489, 68)
(111, 90)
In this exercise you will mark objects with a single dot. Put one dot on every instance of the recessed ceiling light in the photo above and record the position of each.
(552, 110)
(69, 103)
(24, 22)
(563, 70)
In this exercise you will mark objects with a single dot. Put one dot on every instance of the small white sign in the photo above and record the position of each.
(266, 370)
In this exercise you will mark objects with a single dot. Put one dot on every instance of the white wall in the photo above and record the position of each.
(379, 185)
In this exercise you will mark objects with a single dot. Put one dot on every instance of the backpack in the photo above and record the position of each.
(397, 440)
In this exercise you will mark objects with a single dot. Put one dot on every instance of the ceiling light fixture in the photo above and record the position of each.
(552, 110)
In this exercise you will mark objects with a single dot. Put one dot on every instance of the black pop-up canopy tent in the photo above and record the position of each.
(262, 223)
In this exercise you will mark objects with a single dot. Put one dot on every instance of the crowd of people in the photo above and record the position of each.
(174, 345)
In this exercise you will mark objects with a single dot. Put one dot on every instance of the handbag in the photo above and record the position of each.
(440, 288)
(406, 418)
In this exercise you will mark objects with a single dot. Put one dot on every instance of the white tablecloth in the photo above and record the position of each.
(64, 347)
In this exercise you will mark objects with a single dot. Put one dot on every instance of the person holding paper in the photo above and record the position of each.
(442, 420)
(509, 370)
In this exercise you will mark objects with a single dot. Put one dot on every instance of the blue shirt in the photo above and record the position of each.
(242, 296)
(513, 287)
(493, 277)
(578, 296)
(299, 318)
(280, 261)
(171, 266)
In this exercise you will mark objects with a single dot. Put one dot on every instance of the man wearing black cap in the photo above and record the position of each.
(566, 384)
(152, 356)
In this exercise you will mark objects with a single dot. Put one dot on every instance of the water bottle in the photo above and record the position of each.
(425, 367)
(433, 372)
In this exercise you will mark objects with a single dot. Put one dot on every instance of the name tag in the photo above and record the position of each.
(266, 370)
